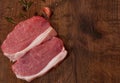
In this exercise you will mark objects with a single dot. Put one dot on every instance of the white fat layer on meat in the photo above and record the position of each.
(50, 65)
(37, 41)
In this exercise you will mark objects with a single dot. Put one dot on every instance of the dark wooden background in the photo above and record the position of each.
(90, 30)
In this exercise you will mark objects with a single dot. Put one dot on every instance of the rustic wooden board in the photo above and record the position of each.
(90, 30)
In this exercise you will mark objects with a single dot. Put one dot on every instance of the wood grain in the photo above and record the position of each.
(90, 30)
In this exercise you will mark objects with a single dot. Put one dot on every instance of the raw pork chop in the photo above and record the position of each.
(39, 59)
(26, 35)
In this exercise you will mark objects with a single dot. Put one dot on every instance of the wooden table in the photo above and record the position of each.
(90, 30)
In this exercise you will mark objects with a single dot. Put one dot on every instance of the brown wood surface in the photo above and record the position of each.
(90, 30)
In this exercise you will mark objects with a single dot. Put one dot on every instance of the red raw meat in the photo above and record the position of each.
(40, 59)
(26, 35)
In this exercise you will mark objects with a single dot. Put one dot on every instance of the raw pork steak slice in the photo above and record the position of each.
(39, 59)
(26, 35)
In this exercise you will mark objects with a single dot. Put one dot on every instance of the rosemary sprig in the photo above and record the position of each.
(11, 20)
(26, 4)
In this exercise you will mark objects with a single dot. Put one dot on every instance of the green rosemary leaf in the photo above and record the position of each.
(26, 4)
(9, 19)
(22, 1)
